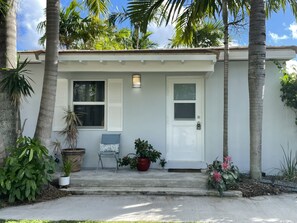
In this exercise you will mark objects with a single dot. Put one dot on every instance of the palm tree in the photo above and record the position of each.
(47, 104)
(256, 79)
(7, 53)
(256, 74)
(208, 34)
(46, 112)
(140, 37)
(70, 25)
(16, 84)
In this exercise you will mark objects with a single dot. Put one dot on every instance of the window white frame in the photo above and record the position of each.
(73, 103)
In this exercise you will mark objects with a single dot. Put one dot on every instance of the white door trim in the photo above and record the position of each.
(181, 162)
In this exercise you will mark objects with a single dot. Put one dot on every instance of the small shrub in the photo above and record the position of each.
(289, 166)
(142, 150)
(163, 162)
(26, 170)
(129, 160)
(288, 88)
(222, 175)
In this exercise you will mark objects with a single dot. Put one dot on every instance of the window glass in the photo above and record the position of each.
(184, 91)
(184, 111)
(89, 102)
(88, 91)
(90, 115)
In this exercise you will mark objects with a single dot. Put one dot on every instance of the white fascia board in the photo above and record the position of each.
(30, 56)
(271, 54)
(138, 57)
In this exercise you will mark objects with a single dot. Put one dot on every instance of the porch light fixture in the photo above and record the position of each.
(136, 81)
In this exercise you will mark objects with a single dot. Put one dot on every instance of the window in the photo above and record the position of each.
(89, 102)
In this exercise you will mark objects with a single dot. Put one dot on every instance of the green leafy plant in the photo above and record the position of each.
(70, 131)
(163, 162)
(26, 170)
(288, 88)
(289, 165)
(67, 165)
(142, 150)
(222, 175)
(16, 83)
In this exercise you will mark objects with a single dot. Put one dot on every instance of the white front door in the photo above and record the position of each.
(185, 122)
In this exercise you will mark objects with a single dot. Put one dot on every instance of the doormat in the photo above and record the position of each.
(184, 170)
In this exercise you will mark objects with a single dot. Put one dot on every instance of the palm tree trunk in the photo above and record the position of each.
(256, 79)
(47, 104)
(226, 73)
(7, 59)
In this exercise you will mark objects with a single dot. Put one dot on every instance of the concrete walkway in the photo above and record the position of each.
(280, 208)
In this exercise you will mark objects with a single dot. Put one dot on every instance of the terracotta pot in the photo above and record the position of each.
(143, 164)
(75, 156)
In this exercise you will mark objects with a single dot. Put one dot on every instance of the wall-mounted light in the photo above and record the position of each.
(136, 81)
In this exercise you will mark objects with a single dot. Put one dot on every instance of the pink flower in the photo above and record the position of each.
(217, 176)
(227, 159)
(225, 165)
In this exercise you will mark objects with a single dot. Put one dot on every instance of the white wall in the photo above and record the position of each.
(30, 105)
(145, 115)
(279, 128)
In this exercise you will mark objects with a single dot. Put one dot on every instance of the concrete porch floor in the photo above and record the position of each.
(133, 182)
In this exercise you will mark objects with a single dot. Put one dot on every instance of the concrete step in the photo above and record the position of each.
(199, 182)
(157, 191)
(134, 179)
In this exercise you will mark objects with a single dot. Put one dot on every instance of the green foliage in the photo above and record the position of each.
(203, 34)
(289, 165)
(146, 150)
(70, 131)
(223, 175)
(26, 170)
(67, 166)
(143, 150)
(129, 160)
(288, 88)
(15, 82)
(91, 32)
(163, 162)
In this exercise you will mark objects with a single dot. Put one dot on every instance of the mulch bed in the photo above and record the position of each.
(49, 192)
(252, 188)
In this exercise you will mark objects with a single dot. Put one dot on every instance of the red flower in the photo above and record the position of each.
(217, 176)
(227, 159)
(225, 165)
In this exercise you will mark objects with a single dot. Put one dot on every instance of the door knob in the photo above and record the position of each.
(198, 126)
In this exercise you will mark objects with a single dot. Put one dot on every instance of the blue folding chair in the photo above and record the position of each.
(109, 146)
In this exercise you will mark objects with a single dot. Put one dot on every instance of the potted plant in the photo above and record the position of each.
(64, 180)
(70, 132)
(144, 155)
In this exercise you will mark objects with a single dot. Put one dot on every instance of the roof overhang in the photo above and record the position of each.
(158, 60)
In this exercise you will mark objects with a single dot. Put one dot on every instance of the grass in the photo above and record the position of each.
(62, 221)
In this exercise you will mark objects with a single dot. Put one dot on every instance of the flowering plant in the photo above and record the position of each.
(222, 175)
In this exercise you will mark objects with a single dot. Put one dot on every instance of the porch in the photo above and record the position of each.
(152, 182)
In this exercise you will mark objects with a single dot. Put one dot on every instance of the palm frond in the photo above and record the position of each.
(16, 82)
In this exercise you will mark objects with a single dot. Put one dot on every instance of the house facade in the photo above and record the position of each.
(176, 103)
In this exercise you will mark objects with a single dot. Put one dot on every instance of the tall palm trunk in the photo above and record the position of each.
(7, 59)
(47, 104)
(226, 73)
(256, 79)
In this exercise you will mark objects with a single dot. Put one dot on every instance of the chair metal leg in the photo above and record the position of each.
(100, 160)
(117, 161)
